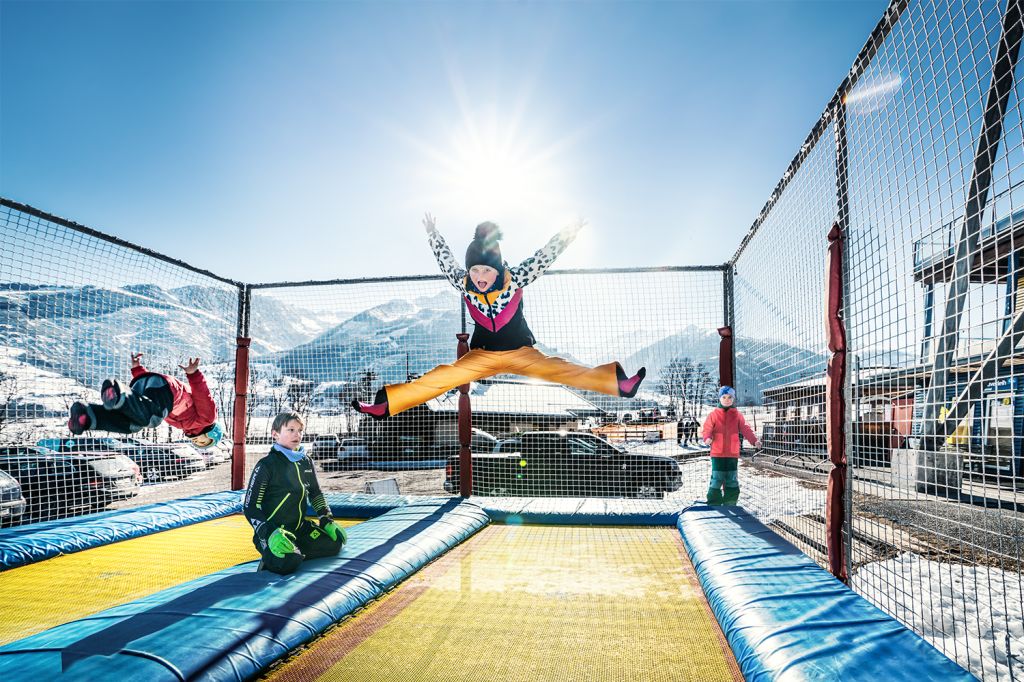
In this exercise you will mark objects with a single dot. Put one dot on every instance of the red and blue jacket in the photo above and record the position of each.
(193, 409)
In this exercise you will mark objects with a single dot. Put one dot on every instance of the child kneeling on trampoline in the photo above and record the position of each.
(722, 431)
(502, 342)
(281, 485)
(153, 398)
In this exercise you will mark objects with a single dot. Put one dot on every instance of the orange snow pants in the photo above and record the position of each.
(480, 364)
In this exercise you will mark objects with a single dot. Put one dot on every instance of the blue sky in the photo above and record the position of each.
(304, 140)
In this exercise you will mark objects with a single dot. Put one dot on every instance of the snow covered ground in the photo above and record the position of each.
(973, 614)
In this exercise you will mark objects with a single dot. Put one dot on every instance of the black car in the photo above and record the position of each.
(54, 486)
(480, 441)
(560, 464)
(157, 462)
(12, 502)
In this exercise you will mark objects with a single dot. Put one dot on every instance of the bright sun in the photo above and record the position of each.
(493, 170)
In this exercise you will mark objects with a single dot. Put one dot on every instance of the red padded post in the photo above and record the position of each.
(835, 406)
(465, 428)
(238, 425)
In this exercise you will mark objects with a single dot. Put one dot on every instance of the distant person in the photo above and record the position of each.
(691, 429)
(722, 430)
(153, 398)
(502, 342)
(281, 486)
(687, 430)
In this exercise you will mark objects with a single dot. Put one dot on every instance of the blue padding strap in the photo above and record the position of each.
(35, 542)
(232, 624)
(578, 511)
(787, 618)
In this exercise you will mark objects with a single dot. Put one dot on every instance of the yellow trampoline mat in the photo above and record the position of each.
(534, 603)
(39, 596)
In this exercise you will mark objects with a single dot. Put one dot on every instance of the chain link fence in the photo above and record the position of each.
(917, 161)
(74, 306)
(319, 346)
(916, 168)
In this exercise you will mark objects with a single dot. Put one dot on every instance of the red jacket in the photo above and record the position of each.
(193, 410)
(724, 428)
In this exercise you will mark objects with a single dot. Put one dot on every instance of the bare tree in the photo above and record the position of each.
(223, 388)
(300, 396)
(10, 394)
(276, 397)
(254, 398)
(690, 384)
(677, 381)
(705, 387)
(367, 385)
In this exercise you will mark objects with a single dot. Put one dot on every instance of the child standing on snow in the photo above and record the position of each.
(153, 398)
(722, 431)
(502, 342)
(281, 485)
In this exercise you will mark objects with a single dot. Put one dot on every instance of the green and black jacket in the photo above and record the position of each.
(278, 493)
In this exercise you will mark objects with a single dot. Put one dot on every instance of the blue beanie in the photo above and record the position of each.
(726, 390)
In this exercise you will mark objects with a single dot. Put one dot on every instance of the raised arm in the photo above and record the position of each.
(534, 266)
(450, 268)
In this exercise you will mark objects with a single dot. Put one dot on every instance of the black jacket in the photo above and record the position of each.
(278, 493)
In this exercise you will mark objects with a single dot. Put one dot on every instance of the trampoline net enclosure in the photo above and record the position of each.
(916, 162)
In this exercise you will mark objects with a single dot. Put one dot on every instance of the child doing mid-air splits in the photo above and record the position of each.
(153, 398)
(722, 431)
(281, 486)
(502, 342)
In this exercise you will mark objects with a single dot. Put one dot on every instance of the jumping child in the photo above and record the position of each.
(722, 431)
(153, 398)
(502, 342)
(281, 485)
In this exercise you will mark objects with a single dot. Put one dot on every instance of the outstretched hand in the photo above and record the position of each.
(429, 223)
(191, 367)
(572, 230)
(136, 359)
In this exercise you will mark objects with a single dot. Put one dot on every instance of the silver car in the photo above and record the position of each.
(352, 450)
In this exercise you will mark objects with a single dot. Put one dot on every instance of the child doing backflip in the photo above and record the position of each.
(153, 398)
(722, 431)
(281, 486)
(502, 342)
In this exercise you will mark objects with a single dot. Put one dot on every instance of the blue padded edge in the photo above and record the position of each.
(787, 618)
(366, 506)
(578, 511)
(232, 624)
(34, 542)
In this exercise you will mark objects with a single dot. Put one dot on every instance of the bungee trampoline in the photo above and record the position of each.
(443, 589)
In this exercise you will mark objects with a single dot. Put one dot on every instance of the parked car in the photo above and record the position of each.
(400, 447)
(480, 441)
(54, 486)
(324, 447)
(112, 476)
(217, 454)
(404, 447)
(157, 461)
(12, 502)
(351, 451)
(573, 464)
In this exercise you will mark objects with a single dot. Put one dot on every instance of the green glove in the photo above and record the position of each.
(281, 542)
(333, 529)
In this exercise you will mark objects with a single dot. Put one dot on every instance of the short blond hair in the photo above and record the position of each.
(287, 416)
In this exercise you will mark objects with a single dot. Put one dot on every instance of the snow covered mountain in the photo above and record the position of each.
(87, 333)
